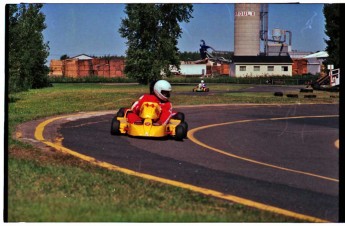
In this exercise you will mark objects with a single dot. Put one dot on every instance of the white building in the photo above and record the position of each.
(190, 68)
(315, 61)
(82, 57)
(256, 66)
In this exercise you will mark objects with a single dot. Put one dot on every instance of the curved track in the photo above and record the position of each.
(281, 158)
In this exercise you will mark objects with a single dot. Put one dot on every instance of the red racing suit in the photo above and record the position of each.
(166, 107)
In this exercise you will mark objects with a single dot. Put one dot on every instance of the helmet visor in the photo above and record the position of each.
(165, 93)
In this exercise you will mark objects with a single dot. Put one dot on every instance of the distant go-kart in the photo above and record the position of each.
(149, 112)
(199, 88)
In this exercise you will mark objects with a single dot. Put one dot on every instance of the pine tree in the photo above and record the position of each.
(332, 30)
(27, 52)
(152, 32)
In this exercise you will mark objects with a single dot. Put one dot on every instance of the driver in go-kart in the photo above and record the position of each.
(160, 95)
(202, 84)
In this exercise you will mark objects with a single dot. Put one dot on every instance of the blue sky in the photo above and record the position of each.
(92, 28)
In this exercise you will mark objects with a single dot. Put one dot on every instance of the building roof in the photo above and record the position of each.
(294, 54)
(262, 59)
(321, 54)
(82, 57)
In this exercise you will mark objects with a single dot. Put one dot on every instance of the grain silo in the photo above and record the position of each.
(247, 29)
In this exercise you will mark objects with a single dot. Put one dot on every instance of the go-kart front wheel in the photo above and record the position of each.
(180, 132)
(185, 126)
(179, 116)
(115, 127)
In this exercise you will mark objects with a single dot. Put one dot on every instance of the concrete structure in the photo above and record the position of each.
(201, 68)
(251, 24)
(315, 62)
(274, 49)
(247, 29)
(255, 66)
(314, 66)
(189, 68)
(193, 69)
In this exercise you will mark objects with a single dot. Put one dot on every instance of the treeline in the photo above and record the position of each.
(183, 56)
(27, 52)
(189, 56)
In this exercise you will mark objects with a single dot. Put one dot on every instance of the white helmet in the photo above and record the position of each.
(202, 81)
(162, 90)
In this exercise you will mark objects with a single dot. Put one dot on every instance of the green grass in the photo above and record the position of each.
(72, 193)
(48, 186)
(221, 97)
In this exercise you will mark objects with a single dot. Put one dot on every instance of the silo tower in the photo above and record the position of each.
(247, 29)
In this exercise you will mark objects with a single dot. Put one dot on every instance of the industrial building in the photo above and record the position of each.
(250, 33)
(308, 62)
(251, 28)
(315, 62)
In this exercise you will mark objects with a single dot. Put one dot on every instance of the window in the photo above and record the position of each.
(270, 68)
(242, 68)
(256, 68)
(285, 68)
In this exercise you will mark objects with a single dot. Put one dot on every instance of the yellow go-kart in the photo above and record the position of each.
(199, 88)
(149, 112)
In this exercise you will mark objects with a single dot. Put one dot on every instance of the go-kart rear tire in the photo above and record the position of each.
(115, 127)
(180, 132)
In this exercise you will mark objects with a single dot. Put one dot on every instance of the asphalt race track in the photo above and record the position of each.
(283, 156)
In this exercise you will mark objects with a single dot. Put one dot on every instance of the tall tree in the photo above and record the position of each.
(27, 52)
(152, 32)
(332, 30)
